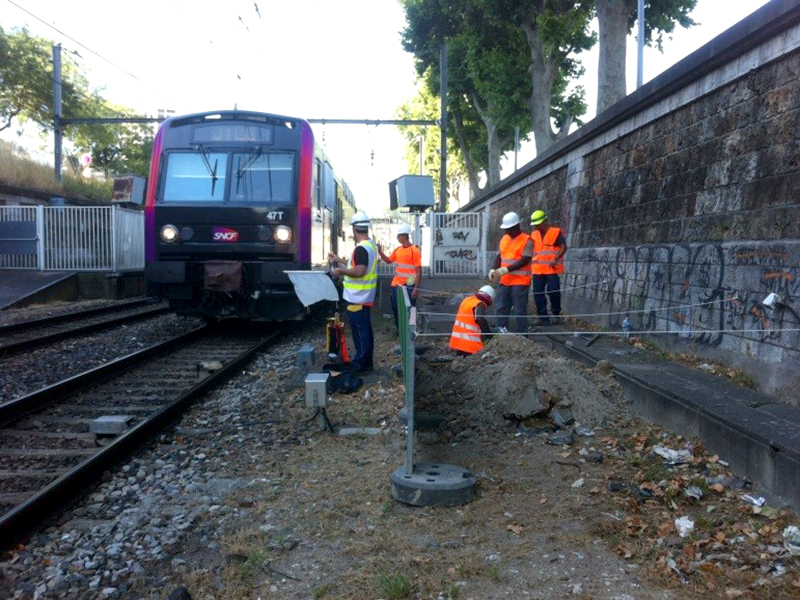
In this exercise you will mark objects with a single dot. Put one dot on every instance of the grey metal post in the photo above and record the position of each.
(114, 238)
(57, 131)
(516, 146)
(422, 155)
(484, 235)
(409, 380)
(40, 236)
(640, 47)
(443, 126)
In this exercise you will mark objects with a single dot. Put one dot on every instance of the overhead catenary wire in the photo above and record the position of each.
(97, 54)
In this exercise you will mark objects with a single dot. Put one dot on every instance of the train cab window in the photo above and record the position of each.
(195, 177)
(267, 177)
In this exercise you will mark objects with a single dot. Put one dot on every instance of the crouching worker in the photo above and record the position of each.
(470, 324)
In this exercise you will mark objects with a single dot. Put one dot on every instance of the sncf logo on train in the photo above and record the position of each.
(225, 234)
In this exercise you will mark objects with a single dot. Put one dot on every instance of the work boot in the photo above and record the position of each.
(544, 321)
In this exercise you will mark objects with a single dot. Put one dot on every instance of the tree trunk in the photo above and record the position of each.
(493, 144)
(611, 77)
(472, 174)
(543, 69)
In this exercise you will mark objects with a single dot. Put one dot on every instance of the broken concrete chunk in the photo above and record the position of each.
(359, 431)
(561, 438)
(529, 405)
(594, 457)
(561, 416)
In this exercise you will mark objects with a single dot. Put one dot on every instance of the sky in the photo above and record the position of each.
(304, 58)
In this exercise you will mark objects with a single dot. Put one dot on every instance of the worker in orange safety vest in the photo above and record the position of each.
(407, 261)
(512, 268)
(549, 247)
(470, 324)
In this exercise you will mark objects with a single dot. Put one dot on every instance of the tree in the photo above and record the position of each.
(616, 19)
(116, 148)
(486, 75)
(556, 31)
(26, 81)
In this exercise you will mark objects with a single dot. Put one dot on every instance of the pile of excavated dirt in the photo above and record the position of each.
(514, 380)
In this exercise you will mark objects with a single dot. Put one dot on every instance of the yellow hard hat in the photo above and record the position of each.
(538, 217)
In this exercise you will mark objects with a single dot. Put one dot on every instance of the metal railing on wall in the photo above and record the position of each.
(71, 238)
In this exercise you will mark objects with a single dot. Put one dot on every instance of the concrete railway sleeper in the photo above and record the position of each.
(43, 332)
(48, 453)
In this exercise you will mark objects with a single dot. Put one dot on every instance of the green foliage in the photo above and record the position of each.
(26, 94)
(394, 587)
(661, 17)
(26, 81)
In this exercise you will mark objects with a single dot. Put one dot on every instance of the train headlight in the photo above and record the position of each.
(283, 235)
(169, 234)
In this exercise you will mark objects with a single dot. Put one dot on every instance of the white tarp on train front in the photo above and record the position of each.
(313, 286)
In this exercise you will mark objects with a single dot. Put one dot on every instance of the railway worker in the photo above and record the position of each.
(512, 267)
(470, 324)
(407, 262)
(360, 284)
(549, 248)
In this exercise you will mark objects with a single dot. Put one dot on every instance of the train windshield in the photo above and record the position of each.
(196, 177)
(204, 176)
(262, 177)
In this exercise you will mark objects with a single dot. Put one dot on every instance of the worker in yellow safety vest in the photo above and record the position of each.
(407, 261)
(470, 324)
(549, 247)
(512, 268)
(360, 285)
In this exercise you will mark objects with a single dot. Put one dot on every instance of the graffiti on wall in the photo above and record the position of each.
(714, 287)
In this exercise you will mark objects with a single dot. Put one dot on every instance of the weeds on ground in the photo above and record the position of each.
(322, 591)
(19, 170)
(395, 587)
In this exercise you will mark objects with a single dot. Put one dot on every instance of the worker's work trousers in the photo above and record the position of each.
(361, 327)
(552, 285)
(393, 298)
(516, 295)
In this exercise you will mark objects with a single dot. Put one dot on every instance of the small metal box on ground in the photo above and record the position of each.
(305, 356)
(317, 390)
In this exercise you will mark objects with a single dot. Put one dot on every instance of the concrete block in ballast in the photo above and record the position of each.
(111, 424)
(305, 356)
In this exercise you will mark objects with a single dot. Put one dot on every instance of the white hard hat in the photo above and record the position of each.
(404, 229)
(360, 220)
(487, 290)
(509, 220)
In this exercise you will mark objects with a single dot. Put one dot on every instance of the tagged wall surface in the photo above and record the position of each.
(681, 205)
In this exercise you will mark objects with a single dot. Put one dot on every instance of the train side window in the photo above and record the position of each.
(318, 183)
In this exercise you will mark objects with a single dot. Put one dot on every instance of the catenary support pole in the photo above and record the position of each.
(443, 125)
(57, 125)
(640, 47)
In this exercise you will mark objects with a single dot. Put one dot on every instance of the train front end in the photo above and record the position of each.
(228, 211)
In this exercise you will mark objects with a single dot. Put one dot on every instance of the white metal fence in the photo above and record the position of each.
(452, 244)
(458, 243)
(71, 238)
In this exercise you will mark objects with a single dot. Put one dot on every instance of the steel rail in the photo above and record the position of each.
(50, 338)
(22, 518)
(80, 314)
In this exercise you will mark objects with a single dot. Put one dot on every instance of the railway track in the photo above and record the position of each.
(47, 451)
(27, 335)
